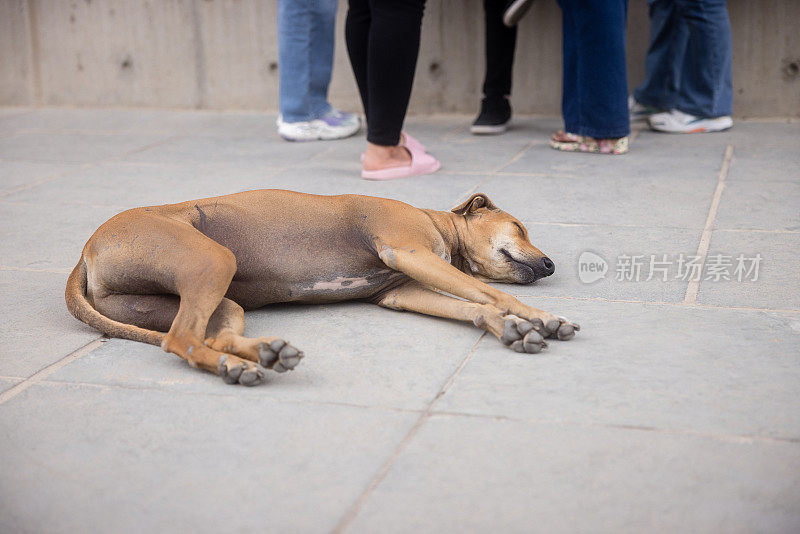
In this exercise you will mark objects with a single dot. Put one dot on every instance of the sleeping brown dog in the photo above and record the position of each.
(181, 275)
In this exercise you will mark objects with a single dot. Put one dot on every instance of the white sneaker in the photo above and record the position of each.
(639, 111)
(333, 125)
(677, 121)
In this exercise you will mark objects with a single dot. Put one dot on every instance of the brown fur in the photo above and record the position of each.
(190, 269)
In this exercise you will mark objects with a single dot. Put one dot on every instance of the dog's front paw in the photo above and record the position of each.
(279, 356)
(522, 335)
(234, 370)
(561, 328)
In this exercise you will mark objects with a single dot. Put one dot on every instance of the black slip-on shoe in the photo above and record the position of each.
(494, 117)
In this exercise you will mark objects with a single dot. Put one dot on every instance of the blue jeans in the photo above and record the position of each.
(594, 98)
(689, 62)
(305, 57)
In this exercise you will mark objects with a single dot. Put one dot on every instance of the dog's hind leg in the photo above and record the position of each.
(514, 332)
(138, 253)
(224, 334)
(201, 285)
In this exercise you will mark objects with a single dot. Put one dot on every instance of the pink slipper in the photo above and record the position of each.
(411, 142)
(421, 163)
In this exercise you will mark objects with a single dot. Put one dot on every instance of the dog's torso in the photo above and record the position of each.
(291, 247)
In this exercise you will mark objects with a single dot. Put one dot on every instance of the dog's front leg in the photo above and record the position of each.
(512, 331)
(431, 270)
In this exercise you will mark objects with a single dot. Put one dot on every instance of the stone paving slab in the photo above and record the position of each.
(40, 236)
(85, 120)
(14, 174)
(760, 206)
(99, 459)
(432, 127)
(696, 164)
(123, 185)
(8, 383)
(744, 135)
(699, 370)
(355, 354)
(73, 147)
(677, 202)
(261, 152)
(464, 474)
(442, 192)
(778, 283)
(766, 163)
(36, 329)
(460, 157)
(522, 129)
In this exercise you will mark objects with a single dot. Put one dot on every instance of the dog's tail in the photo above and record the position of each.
(79, 306)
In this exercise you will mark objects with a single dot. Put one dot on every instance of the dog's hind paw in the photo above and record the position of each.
(279, 356)
(522, 335)
(235, 370)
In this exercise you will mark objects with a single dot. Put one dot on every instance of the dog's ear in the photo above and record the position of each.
(476, 201)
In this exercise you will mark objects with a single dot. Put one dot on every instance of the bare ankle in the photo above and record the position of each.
(384, 157)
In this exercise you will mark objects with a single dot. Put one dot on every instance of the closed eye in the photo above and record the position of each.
(520, 228)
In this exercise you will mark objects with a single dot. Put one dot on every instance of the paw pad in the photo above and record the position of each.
(279, 356)
(522, 336)
(561, 328)
(245, 373)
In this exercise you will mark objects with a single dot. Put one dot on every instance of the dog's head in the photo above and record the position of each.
(497, 246)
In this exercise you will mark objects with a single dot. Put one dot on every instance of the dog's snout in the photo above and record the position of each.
(548, 266)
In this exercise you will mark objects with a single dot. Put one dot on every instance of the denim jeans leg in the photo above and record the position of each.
(323, 24)
(669, 35)
(601, 86)
(569, 83)
(294, 59)
(706, 88)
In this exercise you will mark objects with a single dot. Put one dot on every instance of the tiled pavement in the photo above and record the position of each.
(677, 408)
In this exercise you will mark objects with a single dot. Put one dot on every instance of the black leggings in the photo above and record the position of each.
(500, 44)
(383, 44)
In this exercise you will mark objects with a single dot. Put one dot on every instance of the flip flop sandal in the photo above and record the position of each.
(591, 145)
(563, 137)
(421, 163)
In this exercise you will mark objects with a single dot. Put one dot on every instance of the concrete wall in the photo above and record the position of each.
(222, 54)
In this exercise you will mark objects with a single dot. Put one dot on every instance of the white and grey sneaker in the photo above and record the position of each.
(639, 111)
(333, 125)
(677, 121)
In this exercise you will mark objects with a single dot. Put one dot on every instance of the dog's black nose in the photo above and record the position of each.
(549, 266)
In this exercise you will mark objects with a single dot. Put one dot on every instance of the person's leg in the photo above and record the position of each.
(356, 32)
(500, 44)
(706, 88)
(569, 83)
(328, 122)
(601, 90)
(501, 40)
(294, 56)
(323, 23)
(665, 57)
(394, 38)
